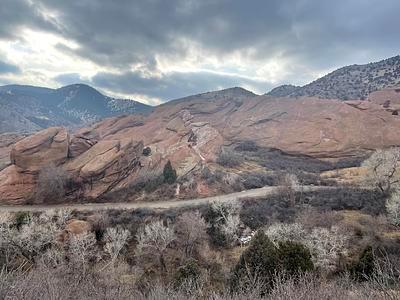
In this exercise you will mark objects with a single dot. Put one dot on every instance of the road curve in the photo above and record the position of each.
(253, 193)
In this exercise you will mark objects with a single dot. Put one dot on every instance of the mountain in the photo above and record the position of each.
(257, 133)
(351, 82)
(28, 108)
(283, 90)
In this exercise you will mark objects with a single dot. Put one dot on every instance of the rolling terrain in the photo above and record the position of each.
(27, 109)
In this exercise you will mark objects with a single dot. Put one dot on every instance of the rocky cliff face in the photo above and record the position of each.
(108, 155)
(94, 169)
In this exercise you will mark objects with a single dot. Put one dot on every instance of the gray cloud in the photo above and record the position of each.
(173, 85)
(16, 14)
(312, 35)
(69, 78)
(8, 68)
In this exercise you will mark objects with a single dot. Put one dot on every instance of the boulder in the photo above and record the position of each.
(106, 164)
(16, 186)
(74, 227)
(82, 141)
(6, 142)
(49, 146)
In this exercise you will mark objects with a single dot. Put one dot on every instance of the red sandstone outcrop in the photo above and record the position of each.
(6, 142)
(49, 146)
(108, 155)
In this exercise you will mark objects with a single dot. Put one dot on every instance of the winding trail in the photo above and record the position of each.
(252, 194)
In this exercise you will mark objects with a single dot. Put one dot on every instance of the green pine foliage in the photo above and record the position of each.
(294, 258)
(259, 261)
(169, 173)
(364, 267)
(188, 273)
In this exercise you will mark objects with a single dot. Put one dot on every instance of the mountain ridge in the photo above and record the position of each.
(349, 82)
(26, 108)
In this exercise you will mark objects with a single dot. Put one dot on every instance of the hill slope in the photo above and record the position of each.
(29, 108)
(351, 82)
(192, 133)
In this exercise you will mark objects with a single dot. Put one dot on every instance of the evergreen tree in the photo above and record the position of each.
(260, 261)
(169, 173)
(364, 267)
(190, 272)
(294, 258)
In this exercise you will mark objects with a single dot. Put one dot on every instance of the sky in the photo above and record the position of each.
(157, 50)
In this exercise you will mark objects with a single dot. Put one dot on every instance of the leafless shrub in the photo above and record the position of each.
(393, 208)
(192, 231)
(81, 249)
(230, 159)
(30, 240)
(115, 239)
(288, 186)
(381, 169)
(327, 245)
(51, 184)
(154, 239)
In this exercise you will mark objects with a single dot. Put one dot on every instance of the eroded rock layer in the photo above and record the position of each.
(191, 132)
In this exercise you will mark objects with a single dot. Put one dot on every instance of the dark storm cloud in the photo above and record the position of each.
(8, 68)
(312, 35)
(16, 14)
(172, 85)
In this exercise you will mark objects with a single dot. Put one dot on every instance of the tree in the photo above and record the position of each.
(81, 249)
(51, 184)
(381, 169)
(259, 262)
(288, 185)
(153, 240)
(294, 258)
(223, 222)
(229, 159)
(146, 151)
(30, 239)
(115, 239)
(393, 208)
(326, 245)
(169, 173)
(192, 231)
(189, 273)
(364, 267)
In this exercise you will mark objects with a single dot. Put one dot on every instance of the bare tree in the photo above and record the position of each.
(81, 248)
(326, 245)
(381, 169)
(230, 229)
(115, 239)
(51, 184)
(227, 219)
(289, 184)
(155, 238)
(393, 208)
(191, 228)
(30, 240)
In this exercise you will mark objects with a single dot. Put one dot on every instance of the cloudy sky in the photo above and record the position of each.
(157, 50)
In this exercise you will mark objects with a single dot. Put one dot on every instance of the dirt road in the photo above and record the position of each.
(254, 193)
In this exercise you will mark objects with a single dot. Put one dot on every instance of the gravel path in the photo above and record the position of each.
(254, 193)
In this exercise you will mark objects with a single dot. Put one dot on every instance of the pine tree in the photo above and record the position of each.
(364, 267)
(294, 258)
(169, 173)
(260, 261)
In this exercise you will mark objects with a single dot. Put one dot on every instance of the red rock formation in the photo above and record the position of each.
(49, 146)
(190, 133)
